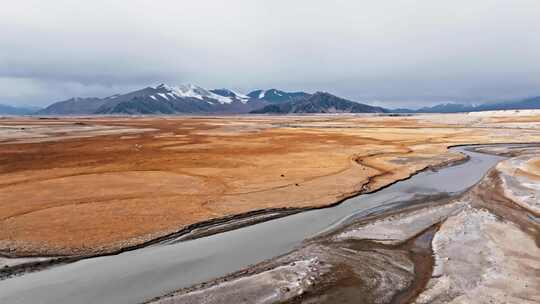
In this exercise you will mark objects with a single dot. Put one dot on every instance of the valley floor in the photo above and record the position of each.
(87, 186)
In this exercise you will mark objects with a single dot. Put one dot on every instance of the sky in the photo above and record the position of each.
(388, 52)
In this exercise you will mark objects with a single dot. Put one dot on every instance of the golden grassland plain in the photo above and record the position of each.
(95, 185)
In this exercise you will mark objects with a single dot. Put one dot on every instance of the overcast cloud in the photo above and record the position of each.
(394, 52)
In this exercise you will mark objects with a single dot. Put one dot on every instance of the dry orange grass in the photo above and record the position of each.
(80, 191)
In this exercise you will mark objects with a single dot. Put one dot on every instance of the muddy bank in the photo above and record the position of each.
(384, 258)
(481, 258)
(349, 271)
(489, 252)
(16, 264)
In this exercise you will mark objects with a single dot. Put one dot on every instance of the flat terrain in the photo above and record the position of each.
(95, 185)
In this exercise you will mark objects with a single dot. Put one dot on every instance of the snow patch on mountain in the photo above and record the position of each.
(240, 95)
(113, 96)
(193, 91)
(233, 95)
(163, 95)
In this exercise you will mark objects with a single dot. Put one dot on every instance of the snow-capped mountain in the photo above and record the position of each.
(221, 96)
(161, 99)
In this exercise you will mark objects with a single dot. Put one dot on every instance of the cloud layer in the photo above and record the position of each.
(391, 52)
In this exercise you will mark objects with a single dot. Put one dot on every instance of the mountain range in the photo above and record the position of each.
(164, 99)
(192, 99)
(11, 110)
(528, 103)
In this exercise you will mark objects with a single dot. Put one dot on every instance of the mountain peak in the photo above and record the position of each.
(322, 93)
(162, 86)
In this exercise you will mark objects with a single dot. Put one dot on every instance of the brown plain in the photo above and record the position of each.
(95, 185)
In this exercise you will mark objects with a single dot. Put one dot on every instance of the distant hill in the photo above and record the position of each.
(319, 102)
(75, 105)
(528, 103)
(11, 110)
(446, 108)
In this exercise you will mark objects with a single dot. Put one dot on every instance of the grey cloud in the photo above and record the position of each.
(400, 51)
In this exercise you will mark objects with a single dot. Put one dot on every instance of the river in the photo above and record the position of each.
(142, 274)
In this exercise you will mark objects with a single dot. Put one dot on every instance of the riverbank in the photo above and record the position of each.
(471, 247)
(12, 265)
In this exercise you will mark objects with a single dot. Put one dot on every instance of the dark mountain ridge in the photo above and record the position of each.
(320, 102)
